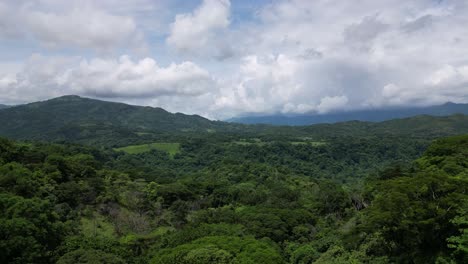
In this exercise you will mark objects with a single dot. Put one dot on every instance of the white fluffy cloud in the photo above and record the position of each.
(343, 56)
(201, 31)
(328, 104)
(125, 78)
(86, 28)
(263, 84)
(76, 26)
(224, 59)
(43, 77)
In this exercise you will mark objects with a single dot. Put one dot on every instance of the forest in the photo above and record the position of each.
(233, 132)
(228, 199)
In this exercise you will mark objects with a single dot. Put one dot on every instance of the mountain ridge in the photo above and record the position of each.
(95, 122)
(78, 117)
(370, 115)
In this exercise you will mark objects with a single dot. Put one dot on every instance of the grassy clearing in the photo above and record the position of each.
(143, 134)
(171, 148)
(251, 141)
(97, 226)
(313, 143)
(258, 142)
(246, 143)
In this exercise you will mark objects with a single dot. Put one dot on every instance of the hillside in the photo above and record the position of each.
(78, 119)
(372, 115)
(419, 126)
(94, 122)
(183, 189)
(2, 106)
(235, 203)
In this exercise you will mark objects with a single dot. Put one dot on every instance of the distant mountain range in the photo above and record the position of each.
(94, 122)
(373, 115)
(4, 106)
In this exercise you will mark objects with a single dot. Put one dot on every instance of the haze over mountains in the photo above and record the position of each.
(372, 115)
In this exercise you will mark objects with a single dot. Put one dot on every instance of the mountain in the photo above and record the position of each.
(373, 115)
(94, 122)
(78, 119)
(4, 106)
(422, 126)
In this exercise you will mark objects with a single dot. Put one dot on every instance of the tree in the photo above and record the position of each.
(89, 256)
(220, 250)
(30, 230)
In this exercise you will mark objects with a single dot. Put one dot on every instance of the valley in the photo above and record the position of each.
(233, 132)
(239, 194)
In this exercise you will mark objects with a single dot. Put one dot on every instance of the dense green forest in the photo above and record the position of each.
(352, 200)
(86, 181)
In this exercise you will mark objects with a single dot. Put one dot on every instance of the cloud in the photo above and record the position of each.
(223, 59)
(419, 23)
(144, 78)
(78, 26)
(38, 78)
(361, 35)
(263, 84)
(449, 75)
(346, 56)
(85, 28)
(8, 25)
(123, 78)
(289, 84)
(201, 32)
(328, 104)
(447, 84)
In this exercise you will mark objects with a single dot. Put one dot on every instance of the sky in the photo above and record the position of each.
(226, 58)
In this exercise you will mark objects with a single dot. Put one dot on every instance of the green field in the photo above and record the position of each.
(313, 143)
(258, 142)
(248, 143)
(171, 148)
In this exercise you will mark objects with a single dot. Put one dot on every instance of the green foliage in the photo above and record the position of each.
(97, 226)
(90, 256)
(304, 254)
(94, 122)
(216, 201)
(91, 121)
(459, 242)
(221, 250)
(416, 213)
(29, 229)
(170, 148)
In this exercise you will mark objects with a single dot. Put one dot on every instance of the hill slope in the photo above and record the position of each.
(423, 126)
(4, 106)
(62, 203)
(375, 115)
(75, 118)
(94, 122)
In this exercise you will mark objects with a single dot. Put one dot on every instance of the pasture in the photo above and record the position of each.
(170, 148)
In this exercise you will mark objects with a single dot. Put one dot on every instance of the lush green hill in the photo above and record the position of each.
(184, 189)
(419, 126)
(78, 119)
(95, 122)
